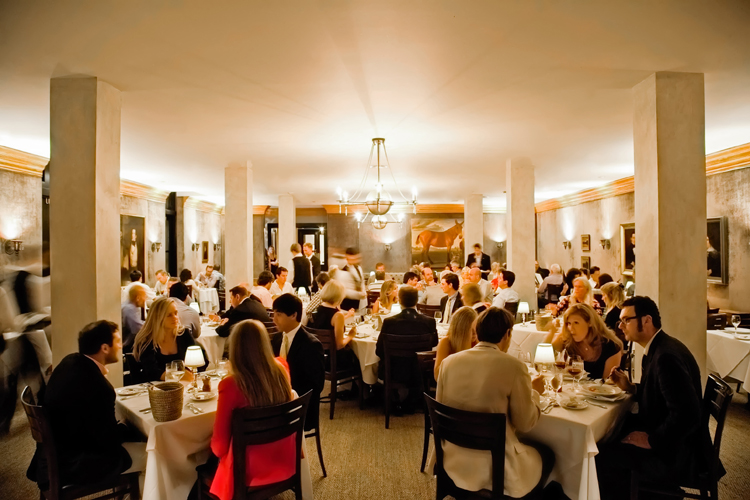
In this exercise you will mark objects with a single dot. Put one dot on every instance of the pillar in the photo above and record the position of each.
(473, 223)
(287, 228)
(670, 203)
(84, 210)
(519, 186)
(238, 224)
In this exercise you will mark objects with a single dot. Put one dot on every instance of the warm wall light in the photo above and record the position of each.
(156, 246)
(217, 247)
(196, 246)
(387, 247)
(13, 247)
(567, 244)
(606, 244)
(500, 244)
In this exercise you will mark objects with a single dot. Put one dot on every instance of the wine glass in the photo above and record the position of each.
(222, 368)
(438, 316)
(177, 370)
(576, 370)
(547, 371)
(736, 320)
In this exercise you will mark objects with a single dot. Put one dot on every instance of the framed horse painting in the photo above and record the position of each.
(437, 241)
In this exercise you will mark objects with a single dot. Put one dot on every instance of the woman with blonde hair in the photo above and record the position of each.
(461, 336)
(581, 294)
(495, 271)
(471, 295)
(613, 295)
(388, 297)
(585, 334)
(161, 341)
(329, 315)
(256, 380)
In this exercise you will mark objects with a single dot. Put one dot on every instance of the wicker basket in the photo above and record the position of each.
(166, 401)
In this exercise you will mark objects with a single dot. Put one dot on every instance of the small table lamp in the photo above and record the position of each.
(194, 360)
(545, 355)
(523, 309)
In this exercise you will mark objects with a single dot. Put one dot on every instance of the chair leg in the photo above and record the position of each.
(320, 451)
(361, 385)
(334, 393)
(135, 489)
(634, 485)
(426, 439)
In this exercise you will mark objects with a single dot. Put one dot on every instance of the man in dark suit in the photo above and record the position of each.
(662, 442)
(303, 353)
(307, 249)
(408, 322)
(480, 259)
(452, 301)
(244, 306)
(80, 403)
(540, 270)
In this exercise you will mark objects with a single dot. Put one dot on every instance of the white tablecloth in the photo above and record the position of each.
(212, 343)
(526, 338)
(208, 299)
(572, 435)
(728, 356)
(176, 448)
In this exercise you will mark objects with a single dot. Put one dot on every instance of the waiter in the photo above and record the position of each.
(481, 259)
(353, 279)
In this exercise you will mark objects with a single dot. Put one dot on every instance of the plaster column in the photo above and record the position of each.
(473, 223)
(519, 185)
(84, 210)
(670, 203)
(238, 224)
(287, 228)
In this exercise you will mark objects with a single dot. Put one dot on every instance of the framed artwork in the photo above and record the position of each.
(586, 242)
(586, 262)
(437, 241)
(717, 251)
(132, 246)
(627, 248)
(204, 252)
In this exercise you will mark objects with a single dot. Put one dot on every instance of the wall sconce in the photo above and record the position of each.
(387, 247)
(606, 244)
(217, 247)
(196, 246)
(156, 246)
(13, 247)
(500, 244)
(567, 244)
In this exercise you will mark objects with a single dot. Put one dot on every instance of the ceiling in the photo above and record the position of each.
(300, 88)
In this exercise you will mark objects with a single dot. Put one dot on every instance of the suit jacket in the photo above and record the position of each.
(458, 304)
(407, 322)
(80, 403)
(486, 265)
(250, 308)
(485, 379)
(315, 261)
(669, 401)
(307, 370)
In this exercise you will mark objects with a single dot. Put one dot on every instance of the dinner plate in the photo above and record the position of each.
(743, 336)
(571, 404)
(203, 396)
(130, 391)
(603, 390)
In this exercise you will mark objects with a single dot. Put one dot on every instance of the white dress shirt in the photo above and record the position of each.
(503, 296)
(264, 295)
(286, 343)
(276, 290)
(449, 308)
(432, 295)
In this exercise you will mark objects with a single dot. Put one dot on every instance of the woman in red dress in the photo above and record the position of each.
(256, 379)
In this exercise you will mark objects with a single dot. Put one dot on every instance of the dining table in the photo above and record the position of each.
(208, 300)
(175, 448)
(729, 355)
(212, 343)
(525, 338)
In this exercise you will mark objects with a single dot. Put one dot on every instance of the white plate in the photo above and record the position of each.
(131, 391)
(603, 390)
(203, 396)
(743, 336)
(578, 405)
(730, 330)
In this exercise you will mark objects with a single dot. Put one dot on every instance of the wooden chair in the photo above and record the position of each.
(428, 310)
(716, 321)
(372, 296)
(552, 293)
(426, 362)
(334, 374)
(404, 347)
(269, 324)
(255, 426)
(41, 431)
(716, 399)
(190, 291)
(512, 307)
(476, 431)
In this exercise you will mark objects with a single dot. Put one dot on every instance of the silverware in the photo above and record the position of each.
(145, 410)
(596, 404)
(193, 408)
(125, 398)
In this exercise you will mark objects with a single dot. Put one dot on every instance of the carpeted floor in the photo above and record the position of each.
(366, 461)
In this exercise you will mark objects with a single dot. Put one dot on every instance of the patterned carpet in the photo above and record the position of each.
(366, 461)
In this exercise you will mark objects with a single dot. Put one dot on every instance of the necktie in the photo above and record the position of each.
(284, 346)
(447, 312)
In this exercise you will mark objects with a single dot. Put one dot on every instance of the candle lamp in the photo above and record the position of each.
(194, 360)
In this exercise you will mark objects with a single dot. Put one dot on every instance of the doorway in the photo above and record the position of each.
(313, 233)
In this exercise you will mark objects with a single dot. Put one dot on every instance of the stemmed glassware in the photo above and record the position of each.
(736, 320)
(438, 316)
(175, 371)
(222, 368)
(576, 370)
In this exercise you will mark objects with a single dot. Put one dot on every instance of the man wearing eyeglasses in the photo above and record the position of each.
(661, 441)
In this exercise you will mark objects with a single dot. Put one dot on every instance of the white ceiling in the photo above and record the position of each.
(300, 88)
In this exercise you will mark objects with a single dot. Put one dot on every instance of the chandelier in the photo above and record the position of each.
(378, 201)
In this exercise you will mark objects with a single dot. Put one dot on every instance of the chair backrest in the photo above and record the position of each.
(328, 339)
(190, 290)
(716, 321)
(253, 426)
(269, 324)
(716, 399)
(428, 310)
(372, 296)
(426, 363)
(41, 431)
(468, 429)
(512, 307)
(405, 347)
(552, 293)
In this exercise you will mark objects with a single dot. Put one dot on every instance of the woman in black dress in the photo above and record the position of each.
(330, 317)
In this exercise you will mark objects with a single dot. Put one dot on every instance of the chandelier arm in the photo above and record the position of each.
(364, 177)
(392, 177)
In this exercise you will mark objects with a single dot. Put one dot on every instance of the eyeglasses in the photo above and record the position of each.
(624, 321)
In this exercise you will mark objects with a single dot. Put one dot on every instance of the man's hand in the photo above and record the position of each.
(620, 378)
(637, 438)
(419, 286)
(537, 384)
(224, 321)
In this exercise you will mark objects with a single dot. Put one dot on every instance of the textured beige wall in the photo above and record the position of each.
(196, 226)
(21, 217)
(155, 227)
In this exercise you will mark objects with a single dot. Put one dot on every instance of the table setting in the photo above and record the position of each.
(728, 354)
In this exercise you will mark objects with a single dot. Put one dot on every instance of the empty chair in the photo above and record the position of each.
(428, 310)
(426, 362)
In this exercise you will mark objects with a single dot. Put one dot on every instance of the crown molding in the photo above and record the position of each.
(456, 208)
(716, 163)
(21, 162)
(260, 209)
(137, 190)
(203, 206)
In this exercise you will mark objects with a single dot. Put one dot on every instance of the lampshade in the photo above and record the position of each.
(378, 202)
(523, 308)
(544, 354)
(379, 222)
(194, 357)
(194, 305)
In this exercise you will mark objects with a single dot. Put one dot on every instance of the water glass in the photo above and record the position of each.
(222, 368)
(438, 316)
(175, 371)
(736, 320)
